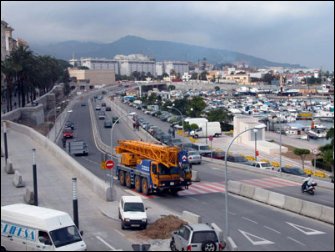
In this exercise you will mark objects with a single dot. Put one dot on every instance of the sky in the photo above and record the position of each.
(286, 32)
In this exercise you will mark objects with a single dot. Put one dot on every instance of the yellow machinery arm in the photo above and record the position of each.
(162, 154)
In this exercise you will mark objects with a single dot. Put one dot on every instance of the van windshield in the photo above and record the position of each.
(133, 207)
(65, 236)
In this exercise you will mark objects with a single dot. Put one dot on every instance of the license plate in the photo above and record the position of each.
(135, 225)
(171, 183)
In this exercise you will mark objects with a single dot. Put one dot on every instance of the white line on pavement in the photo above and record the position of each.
(249, 220)
(104, 242)
(272, 229)
(296, 241)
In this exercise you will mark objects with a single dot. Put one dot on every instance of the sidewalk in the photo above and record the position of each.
(97, 218)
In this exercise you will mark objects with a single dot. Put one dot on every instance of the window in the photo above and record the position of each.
(65, 236)
(133, 207)
(186, 234)
(199, 237)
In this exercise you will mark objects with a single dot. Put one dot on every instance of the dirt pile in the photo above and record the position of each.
(163, 227)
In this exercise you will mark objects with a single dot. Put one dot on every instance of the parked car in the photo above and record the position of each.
(114, 119)
(202, 148)
(97, 107)
(194, 157)
(293, 170)
(196, 237)
(237, 159)
(132, 212)
(215, 154)
(108, 108)
(77, 147)
(262, 165)
(175, 142)
(108, 124)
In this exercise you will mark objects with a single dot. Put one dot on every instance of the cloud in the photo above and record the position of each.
(278, 31)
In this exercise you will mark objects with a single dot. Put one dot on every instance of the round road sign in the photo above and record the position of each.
(109, 164)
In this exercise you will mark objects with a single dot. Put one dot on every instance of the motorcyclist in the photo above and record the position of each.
(307, 183)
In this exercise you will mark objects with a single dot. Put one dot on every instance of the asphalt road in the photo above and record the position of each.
(253, 226)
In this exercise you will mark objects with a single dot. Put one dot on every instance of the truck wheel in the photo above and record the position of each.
(138, 184)
(145, 189)
(128, 180)
(122, 179)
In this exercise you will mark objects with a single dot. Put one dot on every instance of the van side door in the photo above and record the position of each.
(14, 237)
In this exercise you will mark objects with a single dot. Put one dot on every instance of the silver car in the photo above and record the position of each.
(194, 157)
(196, 237)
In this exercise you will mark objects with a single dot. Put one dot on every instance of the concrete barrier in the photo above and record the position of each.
(327, 214)
(2, 155)
(311, 209)
(261, 195)
(96, 184)
(293, 204)
(9, 167)
(247, 190)
(17, 180)
(218, 231)
(231, 246)
(234, 186)
(195, 176)
(29, 197)
(191, 218)
(276, 199)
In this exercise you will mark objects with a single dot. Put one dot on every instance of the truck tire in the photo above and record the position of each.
(122, 178)
(128, 180)
(138, 184)
(145, 188)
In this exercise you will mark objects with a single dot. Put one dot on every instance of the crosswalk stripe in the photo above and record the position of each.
(287, 181)
(205, 187)
(258, 183)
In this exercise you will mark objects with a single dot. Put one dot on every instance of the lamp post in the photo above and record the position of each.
(182, 117)
(255, 131)
(280, 143)
(129, 114)
(257, 127)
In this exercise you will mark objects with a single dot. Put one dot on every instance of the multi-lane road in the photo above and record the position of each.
(253, 226)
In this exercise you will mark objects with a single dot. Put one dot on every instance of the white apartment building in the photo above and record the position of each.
(8, 43)
(178, 66)
(100, 64)
(159, 68)
(135, 62)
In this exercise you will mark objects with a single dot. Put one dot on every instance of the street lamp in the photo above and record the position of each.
(257, 127)
(182, 117)
(255, 131)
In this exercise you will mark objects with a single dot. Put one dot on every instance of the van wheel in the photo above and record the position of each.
(122, 226)
(138, 184)
(128, 180)
(145, 189)
(121, 178)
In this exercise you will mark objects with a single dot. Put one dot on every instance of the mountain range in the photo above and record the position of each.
(160, 50)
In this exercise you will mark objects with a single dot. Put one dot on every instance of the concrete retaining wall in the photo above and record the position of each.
(191, 218)
(96, 184)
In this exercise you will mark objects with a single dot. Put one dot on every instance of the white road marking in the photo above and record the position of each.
(296, 241)
(104, 242)
(249, 219)
(272, 229)
(261, 241)
(119, 232)
(305, 230)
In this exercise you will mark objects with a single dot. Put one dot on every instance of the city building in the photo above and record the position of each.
(135, 62)
(8, 43)
(90, 78)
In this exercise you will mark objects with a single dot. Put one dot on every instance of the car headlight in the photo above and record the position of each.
(126, 220)
(144, 220)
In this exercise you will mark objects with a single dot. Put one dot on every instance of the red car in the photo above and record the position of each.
(68, 133)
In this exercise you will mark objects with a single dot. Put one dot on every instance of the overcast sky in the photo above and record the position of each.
(286, 32)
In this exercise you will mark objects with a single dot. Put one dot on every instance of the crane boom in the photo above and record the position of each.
(162, 154)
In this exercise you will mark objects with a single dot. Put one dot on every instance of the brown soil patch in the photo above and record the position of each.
(163, 227)
(291, 155)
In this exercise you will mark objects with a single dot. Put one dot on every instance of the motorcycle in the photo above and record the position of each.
(309, 189)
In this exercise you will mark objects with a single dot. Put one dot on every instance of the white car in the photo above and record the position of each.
(132, 212)
(263, 165)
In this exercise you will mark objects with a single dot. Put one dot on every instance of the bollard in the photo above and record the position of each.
(17, 180)
(75, 202)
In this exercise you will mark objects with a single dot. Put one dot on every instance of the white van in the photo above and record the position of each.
(207, 129)
(26, 227)
(132, 212)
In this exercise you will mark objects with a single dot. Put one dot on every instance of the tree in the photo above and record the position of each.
(219, 115)
(198, 105)
(302, 153)
(172, 87)
(217, 88)
(203, 75)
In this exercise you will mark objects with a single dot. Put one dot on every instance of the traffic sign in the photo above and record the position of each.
(109, 164)
(315, 151)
